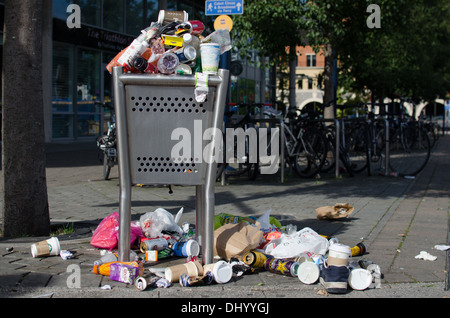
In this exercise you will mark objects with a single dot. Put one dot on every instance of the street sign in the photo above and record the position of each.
(218, 7)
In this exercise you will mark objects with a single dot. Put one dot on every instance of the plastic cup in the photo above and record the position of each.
(210, 54)
(46, 248)
(192, 269)
(308, 272)
(222, 271)
(188, 248)
(338, 254)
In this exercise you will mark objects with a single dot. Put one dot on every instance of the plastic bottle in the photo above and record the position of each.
(114, 257)
(133, 51)
(189, 39)
(105, 269)
(186, 54)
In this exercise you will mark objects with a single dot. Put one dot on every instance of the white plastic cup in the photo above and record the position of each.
(222, 271)
(48, 247)
(338, 254)
(210, 55)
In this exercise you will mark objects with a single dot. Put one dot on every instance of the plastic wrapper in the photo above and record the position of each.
(303, 241)
(154, 223)
(106, 235)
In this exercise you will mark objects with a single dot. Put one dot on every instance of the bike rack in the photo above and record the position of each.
(148, 110)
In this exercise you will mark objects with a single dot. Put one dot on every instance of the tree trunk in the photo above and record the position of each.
(328, 76)
(24, 199)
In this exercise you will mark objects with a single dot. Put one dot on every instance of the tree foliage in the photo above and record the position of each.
(407, 55)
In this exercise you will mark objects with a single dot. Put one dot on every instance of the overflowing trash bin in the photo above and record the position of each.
(168, 95)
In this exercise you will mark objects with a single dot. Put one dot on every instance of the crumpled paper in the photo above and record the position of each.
(425, 256)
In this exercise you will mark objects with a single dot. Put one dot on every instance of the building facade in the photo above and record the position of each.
(75, 60)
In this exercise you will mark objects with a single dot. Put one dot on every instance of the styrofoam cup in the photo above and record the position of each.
(46, 248)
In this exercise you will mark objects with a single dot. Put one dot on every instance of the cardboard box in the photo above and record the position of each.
(124, 273)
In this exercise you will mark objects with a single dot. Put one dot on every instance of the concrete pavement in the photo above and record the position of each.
(396, 218)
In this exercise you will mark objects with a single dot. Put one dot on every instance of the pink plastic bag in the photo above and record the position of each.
(106, 235)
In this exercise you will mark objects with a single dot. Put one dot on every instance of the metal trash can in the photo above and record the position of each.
(149, 109)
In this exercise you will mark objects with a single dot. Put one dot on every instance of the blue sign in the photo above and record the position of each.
(219, 7)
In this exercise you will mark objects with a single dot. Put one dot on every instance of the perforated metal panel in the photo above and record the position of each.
(165, 134)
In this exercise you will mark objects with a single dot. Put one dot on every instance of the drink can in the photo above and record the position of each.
(281, 266)
(186, 54)
(197, 27)
(154, 244)
(256, 259)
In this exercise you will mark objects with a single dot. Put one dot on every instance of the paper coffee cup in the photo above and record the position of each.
(46, 248)
(308, 272)
(210, 55)
(338, 254)
(173, 273)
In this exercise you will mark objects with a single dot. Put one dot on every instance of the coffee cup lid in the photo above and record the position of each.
(338, 247)
(308, 272)
(192, 247)
(222, 272)
(359, 279)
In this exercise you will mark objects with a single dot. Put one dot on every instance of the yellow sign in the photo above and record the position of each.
(223, 22)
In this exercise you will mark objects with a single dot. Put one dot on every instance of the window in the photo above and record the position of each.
(311, 60)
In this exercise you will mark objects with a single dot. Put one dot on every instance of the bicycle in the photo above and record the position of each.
(107, 144)
(239, 163)
(305, 146)
(409, 145)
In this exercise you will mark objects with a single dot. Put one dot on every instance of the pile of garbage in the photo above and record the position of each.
(173, 45)
(242, 246)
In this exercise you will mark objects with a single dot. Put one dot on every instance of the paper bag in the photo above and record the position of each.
(339, 210)
(232, 240)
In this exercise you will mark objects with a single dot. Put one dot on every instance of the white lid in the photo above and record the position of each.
(340, 248)
(308, 272)
(192, 248)
(359, 279)
(222, 272)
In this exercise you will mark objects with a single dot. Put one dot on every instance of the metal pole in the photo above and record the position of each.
(387, 154)
(210, 179)
(282, 141)
(124, 167)
(336, 155)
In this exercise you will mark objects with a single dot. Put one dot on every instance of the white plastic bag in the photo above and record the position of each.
(305, 240)
(153, 223)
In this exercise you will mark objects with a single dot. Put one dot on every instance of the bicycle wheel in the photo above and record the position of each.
(409, 150)
(357, 147)
(310, 154)
(106, 166)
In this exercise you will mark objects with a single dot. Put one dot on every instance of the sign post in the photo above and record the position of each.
(219, 7)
